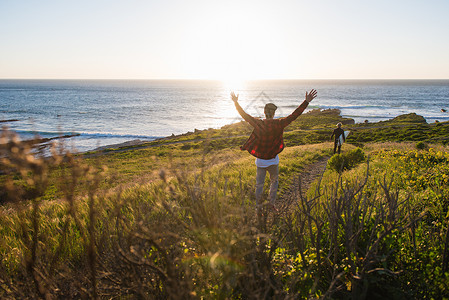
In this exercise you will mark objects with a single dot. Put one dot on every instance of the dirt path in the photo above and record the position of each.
(303, 180)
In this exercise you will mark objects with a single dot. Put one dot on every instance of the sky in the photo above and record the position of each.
(224, 40)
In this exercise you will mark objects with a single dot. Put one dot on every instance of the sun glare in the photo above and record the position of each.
(233, 44)
(233, 82)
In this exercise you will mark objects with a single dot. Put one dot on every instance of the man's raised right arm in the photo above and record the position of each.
(251, 120)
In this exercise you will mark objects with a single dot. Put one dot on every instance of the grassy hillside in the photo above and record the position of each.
(176, 219)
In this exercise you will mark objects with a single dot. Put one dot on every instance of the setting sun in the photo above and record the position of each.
(233, 84)
(233, 45)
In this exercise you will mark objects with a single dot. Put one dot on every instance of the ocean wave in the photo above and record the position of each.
(358, 107)
(43, 133)
(369, 116)
(94, 135)
(26, 111)
(296, 106)
(121, 136)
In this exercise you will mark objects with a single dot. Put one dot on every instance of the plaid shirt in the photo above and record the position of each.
(267, 140)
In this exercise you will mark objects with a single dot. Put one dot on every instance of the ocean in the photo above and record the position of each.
(105, 112)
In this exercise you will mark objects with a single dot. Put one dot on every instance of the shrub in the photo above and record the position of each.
(346, 161)
(336, 163)
(421, 145)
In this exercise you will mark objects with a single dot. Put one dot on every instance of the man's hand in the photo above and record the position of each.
(234, 97)
(310, 96)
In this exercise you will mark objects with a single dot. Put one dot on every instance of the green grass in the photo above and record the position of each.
(178, 220)
(403, 128)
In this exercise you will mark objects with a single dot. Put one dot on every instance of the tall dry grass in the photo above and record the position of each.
(192, 235)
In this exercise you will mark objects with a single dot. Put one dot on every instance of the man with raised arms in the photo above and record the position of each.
(267, 141)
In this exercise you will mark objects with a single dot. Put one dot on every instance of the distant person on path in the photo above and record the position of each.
(267, 141)
(336, 134)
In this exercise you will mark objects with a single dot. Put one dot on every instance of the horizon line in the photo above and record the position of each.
(243, 80)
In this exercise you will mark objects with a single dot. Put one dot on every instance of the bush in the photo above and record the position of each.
(336, 163)
(421, 145)
(346, 161)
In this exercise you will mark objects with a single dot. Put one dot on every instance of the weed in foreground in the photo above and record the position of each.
(197, 235)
